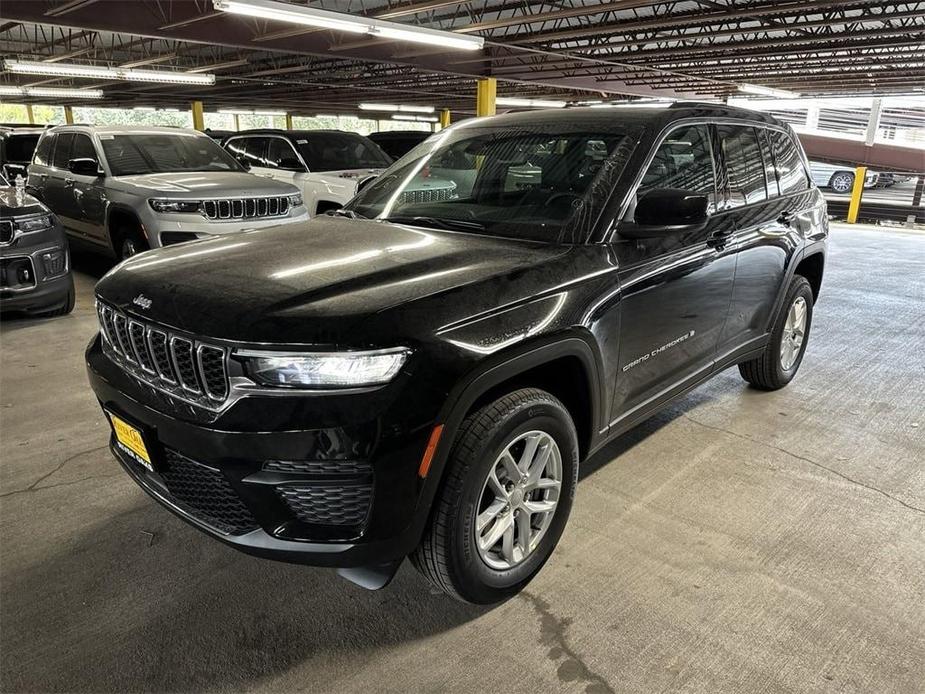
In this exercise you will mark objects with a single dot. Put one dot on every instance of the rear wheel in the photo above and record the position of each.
(842, 182)
(782, 356)
(508, 493)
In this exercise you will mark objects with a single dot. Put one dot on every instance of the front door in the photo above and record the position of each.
(85, 198)
(675, 290)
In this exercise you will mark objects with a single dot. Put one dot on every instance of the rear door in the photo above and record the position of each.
(56, 194)
(675, 289)
(38, 169)
(766, 228)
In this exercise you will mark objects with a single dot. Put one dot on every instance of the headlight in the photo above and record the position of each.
(295, 199)
(167, 205)
(325, 370)
(30, 224)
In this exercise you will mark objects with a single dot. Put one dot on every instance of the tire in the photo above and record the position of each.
(130, 241)
(842, 181)
(779, 362)
(450, 555)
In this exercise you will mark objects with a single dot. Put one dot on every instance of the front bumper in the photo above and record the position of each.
(341, 495)
(36, 273)
(168, 228)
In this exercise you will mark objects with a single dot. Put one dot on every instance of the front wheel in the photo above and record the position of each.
(842, 182)
(781, 359)
(510, 483)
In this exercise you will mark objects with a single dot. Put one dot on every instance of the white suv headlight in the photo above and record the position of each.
(168, 205)
(325, 369)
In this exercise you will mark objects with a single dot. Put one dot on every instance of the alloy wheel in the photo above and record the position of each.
(518, 500)
(794, 332)
(842, 183)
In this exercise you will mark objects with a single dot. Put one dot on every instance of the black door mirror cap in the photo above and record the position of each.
(290, 165)
(667, 211)
(84, 167)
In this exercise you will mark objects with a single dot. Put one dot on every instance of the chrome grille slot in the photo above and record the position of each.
(180, 366)
(136, 333)
(246, 208)
(182, 351)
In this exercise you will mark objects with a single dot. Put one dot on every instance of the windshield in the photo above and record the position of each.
(329, 151)
(19, 148)
(143, 153)
(547, 183)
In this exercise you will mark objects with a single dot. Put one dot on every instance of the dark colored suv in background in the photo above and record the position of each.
(422, 378)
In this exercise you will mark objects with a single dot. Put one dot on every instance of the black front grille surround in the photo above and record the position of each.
(190, 370)
(6, 232)
(246, 208)
(206, 494)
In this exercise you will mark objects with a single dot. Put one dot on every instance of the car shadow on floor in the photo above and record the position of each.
(142, 602)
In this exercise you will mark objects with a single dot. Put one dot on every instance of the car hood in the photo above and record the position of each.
(17, 203)
(203, 184)
(319, 282)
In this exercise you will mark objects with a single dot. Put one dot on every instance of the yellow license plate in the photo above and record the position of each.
(131, 441)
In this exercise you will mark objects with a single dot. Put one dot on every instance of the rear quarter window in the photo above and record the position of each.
(791, 174)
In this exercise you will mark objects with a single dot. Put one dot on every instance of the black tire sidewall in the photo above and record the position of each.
(798, 288)
(476, 580)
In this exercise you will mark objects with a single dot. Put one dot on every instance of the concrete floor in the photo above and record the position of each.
(740, 541)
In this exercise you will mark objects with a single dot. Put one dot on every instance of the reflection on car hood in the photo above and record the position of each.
(313, 282)
(196, 184)
(14, 203)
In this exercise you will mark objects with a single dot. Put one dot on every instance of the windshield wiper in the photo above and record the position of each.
(349, 214)
(438, 223)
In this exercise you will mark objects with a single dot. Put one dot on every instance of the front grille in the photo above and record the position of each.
(206, 494)
(425, 195)
(246, 208)
(186, 368)
(6, 232)
(328, 504)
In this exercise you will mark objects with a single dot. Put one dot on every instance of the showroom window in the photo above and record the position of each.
(683, 161)
(791, 174)
(743, 165)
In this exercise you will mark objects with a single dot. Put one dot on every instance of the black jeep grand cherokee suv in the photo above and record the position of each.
(422, 375)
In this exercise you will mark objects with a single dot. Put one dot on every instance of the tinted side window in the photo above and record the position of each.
(743, 164)
(683, 161)
(256, 151)
(44, 150)
(237, 147)
(768, 159)
(83, 148)
(281, 154)
(62, 150)
(791, 175)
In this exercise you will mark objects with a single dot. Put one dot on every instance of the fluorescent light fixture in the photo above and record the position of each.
(143, 108)
(52, 92)
(378, 28)
(25, 67)
(397, 107)
(419, 119)
(250, 112)
(528, 103)
(767, 91)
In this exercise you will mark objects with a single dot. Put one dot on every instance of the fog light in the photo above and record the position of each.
(55, 263)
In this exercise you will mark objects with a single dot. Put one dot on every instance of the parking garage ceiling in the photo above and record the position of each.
(566, 49)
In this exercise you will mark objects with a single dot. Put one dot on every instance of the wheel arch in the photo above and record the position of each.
(114, 214)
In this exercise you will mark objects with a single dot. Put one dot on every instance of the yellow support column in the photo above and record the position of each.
(445, 118)
(29, 114)
(857, 192)
(289, 121)
(199, 120)
(69, 115)
(486, 91)
(237, 123)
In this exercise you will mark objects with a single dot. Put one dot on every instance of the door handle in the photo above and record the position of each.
(786, 218)
(69, 182)
(719, 238)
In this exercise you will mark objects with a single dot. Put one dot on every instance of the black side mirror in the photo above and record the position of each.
(292, 164)
(665, 211)
(363, 182)
(84, 167)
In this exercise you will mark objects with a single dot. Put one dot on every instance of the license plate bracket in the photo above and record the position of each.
(131, 440)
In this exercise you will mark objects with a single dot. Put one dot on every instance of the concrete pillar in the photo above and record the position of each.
(69, 115)
(857, 192)
(812, 117)
(445, 118)
(873, 123)
(486, 91)
(289, 121)
(29, 114)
